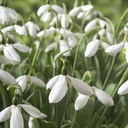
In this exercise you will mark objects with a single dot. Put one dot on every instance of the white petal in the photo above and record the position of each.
(103, 97)
(114, 49)
(91, 24)
(46, 17)
(64, 47)
(5, 114)
(21, 47)
(64, 21)
(22, 81)
(11, 54)
(52, 82)
(20, 29)
(123, 88)
(6, 77)
(87, 7)
(4, 60)
(59, 90)
(74, 11)
(72, 41)
(37, 81)
(7, 29)
(16, 120)
(32, 111)
(105, 45)
(81, 86)
(32, 28)
(50, 47)
(81, 101)
(91, 48)
(81, 15)
(30, 122)
(43, 9)
(58, 9)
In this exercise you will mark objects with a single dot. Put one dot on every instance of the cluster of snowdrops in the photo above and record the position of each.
(60, 41)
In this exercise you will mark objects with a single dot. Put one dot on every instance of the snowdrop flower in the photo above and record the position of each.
(8, 15)
(14, 113)
(104, 33)
(66, 39)
(58, 86)
(93, 46)
(10, 55)
(64, 20)
(32, 28)
(123, 89)
(97, 22)
(22, 81)
(47, 32)
(30, 122)
(102, 96)
(21, 30)
(46, 12)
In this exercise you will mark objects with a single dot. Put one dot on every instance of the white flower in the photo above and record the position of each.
(30, 122)
(10, 55)
(97, 22)
(58, 86)
(123, 89)
(32, 28)
(8, 15)
(22, 81)
(20, 29)
(47, 12)
(102, 96)
(93, 46)
(14, 113)
(126, 28)
(64, 20)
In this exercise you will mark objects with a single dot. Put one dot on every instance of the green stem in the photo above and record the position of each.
(109, 72)
(120, 82)
(3, 96)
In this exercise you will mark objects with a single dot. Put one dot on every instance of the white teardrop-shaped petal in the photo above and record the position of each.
(91, 24)
(32, 111)
(58, 9)
(64, 47)
(58, 90)
(6, 77)
(104, 45)
(46, 17)
(16, 120)
(20, 29)
(81, 86)
(64, 20)
(91, 48)
(43, 9)
(103, 97)
(30, 122)
(81, 15)
(74, 11)
(7, 29)
(4, 60)
(22, 81)
(11, 54)
(52, 82)
(87, 7)
(123, 88)
(81, 101)
(5, 114)
(114, 49)
(50, 47)
(37, 81)
(21, 47)
(72, 41)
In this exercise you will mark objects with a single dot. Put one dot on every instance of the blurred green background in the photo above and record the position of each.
(112, 9)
